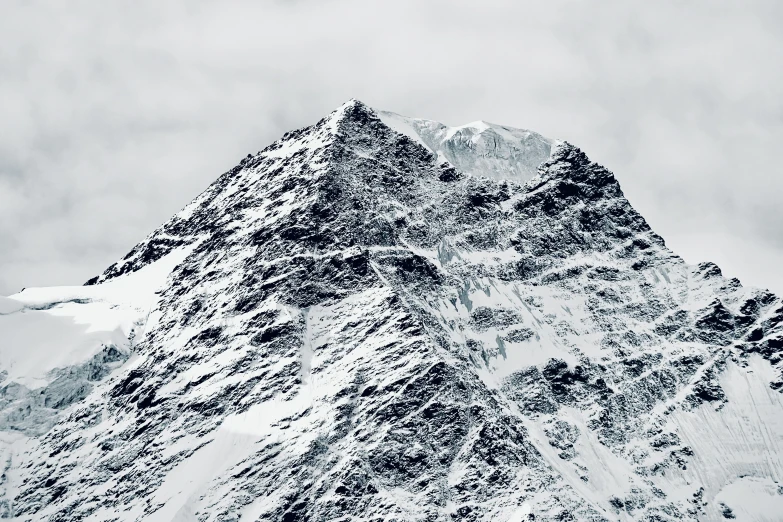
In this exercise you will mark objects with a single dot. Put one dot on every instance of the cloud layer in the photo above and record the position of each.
(116, 114)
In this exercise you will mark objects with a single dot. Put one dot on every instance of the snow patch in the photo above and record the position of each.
(751, 499)
(48, 328)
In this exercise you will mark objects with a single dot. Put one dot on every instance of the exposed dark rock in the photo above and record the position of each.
(359, 329)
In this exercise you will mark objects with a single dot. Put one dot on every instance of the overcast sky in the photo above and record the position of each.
(113, 115)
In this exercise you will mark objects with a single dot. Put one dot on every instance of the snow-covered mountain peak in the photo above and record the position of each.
(478, 148)
(379, 317)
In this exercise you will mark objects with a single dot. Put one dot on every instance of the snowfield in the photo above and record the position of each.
(385, 318)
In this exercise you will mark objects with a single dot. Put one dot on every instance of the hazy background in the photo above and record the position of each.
(113, 115)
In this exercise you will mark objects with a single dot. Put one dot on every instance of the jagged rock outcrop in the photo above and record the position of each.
(380, 318)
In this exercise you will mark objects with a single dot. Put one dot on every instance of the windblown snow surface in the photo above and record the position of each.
(380, 318)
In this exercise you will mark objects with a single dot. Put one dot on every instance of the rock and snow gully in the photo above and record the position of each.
(380, 318)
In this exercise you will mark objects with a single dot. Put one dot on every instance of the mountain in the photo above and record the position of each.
(379, 318)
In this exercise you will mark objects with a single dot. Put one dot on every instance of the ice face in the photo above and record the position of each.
(479, 148)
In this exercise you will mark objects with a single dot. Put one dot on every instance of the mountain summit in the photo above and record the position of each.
(385, 318)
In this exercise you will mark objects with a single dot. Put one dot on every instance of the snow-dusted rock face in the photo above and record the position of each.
(380, 318)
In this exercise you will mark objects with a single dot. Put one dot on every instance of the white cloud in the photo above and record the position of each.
(114, 115)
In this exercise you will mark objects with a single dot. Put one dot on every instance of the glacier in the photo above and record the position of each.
(385, 318)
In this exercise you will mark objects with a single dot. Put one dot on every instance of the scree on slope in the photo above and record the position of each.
(381, 318)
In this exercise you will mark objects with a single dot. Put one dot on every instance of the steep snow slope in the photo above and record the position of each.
(57, 342)
(357, 324)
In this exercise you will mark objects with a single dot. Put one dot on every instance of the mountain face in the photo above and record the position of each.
(379, 318)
